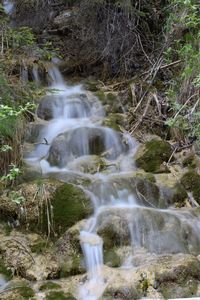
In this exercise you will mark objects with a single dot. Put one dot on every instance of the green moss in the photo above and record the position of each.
(191, 182)
(70, 205)
(111, 258)
(111, 97)
(180, 195)
(39, 247)
(6, 272)
(189, 161)
(151, 178)
(7, 228)
(102, 97)
(25, 291)
(59, 296)
(91, 85)
(72, 267)
(114, 121)
(156, 152)
(49, 286)
(144, 286)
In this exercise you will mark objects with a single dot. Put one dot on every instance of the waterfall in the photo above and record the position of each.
(92, 246)
(74, 137)
(8, 6)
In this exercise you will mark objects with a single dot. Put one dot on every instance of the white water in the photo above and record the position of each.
(74, 135)
(8, 6)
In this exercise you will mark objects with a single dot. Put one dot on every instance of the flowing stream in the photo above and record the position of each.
(71, 138)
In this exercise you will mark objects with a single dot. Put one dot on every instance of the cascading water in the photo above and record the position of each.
(8, 6)
(70, 137)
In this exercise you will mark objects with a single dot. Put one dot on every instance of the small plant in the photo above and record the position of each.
(16, 197)
(5, 148)
(13, 173)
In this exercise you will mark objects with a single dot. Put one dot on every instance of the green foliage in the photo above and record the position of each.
(16, 197)
(12, 175)
(5, 148)
(8, 111)
(183, 94)
(20, 37)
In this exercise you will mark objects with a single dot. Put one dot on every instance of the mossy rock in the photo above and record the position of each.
(49, 286)
(114, 121)
(189, 161)
(39, 247)
(69, 205)
(25, 291)
(191, 182)
(5, 271)
(152, 155)
(59, 296)
(111, 258)
(179, 196)
(72, 266)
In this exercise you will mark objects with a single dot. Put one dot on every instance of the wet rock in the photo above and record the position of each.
(74, 106)
(85, 141)
(152, 155)
(156, 231)
(33, 133)
(88, 164)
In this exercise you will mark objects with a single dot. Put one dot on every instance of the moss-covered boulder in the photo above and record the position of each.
(69, 205)
(114, 121)
(111, 258)
(191, 182)
(151, 156)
